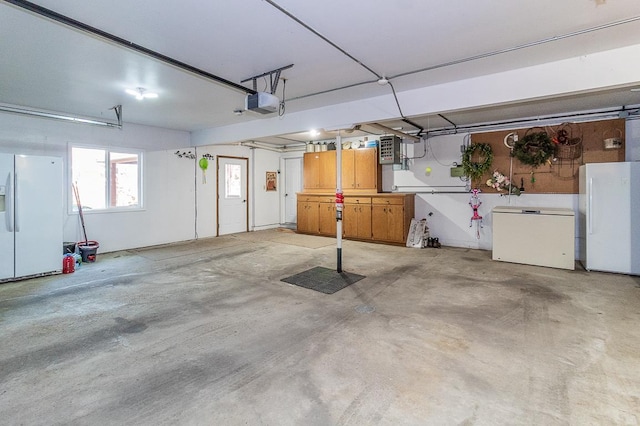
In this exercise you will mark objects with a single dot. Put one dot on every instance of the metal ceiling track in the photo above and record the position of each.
(631, 112)
(274, 78)
(65, 20)
(57, 116)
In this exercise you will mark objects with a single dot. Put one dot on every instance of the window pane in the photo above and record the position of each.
(123, 172)
(233, 184)
(88, 174)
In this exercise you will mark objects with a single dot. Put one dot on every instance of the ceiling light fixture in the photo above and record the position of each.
(382, 81)
(141, 93)
(313, 133)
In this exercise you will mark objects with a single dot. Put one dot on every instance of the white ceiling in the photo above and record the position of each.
(49, 66)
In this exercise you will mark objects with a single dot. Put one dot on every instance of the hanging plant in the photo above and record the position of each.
(475, 169)
(534, 149)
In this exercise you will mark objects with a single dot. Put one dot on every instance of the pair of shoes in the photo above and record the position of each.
(436, 243)
(433, 242)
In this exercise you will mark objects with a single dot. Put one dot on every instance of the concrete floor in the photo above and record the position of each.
(206, 333)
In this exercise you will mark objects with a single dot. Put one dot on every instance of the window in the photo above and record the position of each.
(233, 182)
(106, 179)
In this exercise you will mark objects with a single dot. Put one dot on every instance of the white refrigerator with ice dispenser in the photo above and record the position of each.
(31, 216)
(609, 214)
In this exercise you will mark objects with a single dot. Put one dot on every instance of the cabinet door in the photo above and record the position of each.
(311, 172)
(327, 219)
(350, 220)
(363, 230)
(327, 178)
(348, 169)
(387, 221)
(366, 168)
(395, 223)
(357, 217)
(308, 214)
(379, 219)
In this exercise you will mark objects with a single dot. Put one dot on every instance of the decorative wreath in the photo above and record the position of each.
(474, 170)
(534, 149)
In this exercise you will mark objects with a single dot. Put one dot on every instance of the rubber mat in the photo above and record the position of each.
(324, 280)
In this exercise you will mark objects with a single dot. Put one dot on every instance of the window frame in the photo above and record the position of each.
(107, 156)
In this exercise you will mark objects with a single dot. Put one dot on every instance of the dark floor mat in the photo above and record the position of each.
(324, 280)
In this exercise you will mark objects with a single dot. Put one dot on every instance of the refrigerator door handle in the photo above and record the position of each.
(9, 201)
(16, 224)
(590, 208)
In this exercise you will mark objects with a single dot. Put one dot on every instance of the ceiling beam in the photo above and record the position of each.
(393, 131)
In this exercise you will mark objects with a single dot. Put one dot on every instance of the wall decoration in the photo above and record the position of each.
(271, 181)
(475, 169)
(534, 149)
(572, 144)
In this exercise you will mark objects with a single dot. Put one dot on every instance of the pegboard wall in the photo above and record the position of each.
(559, 175)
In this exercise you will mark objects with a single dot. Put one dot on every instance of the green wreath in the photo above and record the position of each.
(533, 149)
(475, 170)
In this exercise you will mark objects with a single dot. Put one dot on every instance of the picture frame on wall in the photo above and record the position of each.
(271, 184)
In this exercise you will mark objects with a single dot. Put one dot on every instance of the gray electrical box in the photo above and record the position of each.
(389, 151)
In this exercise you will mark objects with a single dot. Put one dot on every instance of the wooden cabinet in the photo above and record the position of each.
(327, 219)
(319, 170)
(311, 167)
(308, 213)
(374, 217)
(360, 171)
(356, 217)
(387, 219)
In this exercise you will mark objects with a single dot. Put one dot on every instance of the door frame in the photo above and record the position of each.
(230, 157)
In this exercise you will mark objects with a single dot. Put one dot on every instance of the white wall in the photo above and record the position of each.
(264, 207)
(451, 212)
(168, 181)
(444, 201)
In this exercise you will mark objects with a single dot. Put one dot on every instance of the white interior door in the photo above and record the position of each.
(233, 205)
(292, 185)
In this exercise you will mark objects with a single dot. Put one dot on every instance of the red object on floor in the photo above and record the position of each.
(68, 264)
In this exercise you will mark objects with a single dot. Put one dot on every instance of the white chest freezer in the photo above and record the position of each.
(543, 236)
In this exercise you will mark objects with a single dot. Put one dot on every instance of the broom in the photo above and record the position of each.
(84, 231)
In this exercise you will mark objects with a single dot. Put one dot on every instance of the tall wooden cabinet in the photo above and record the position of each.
(360, 170)
(319, 170)
(368, 215)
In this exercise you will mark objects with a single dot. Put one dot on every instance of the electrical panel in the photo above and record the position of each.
(389, 151)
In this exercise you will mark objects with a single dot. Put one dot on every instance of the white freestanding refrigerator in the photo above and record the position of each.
(30, 215)
(609, 214)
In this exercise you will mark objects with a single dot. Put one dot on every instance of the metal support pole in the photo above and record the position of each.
(339, 201)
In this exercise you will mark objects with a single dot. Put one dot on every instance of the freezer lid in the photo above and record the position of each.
(549, 211)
